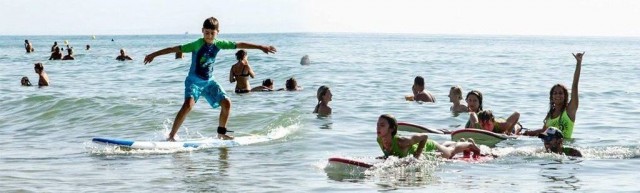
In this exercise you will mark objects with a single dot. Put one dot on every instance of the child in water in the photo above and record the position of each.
(267, 85)
(200, 80)
(419, 93)
(486, 121)
(392, 145)
(455, 96)
(324, 96)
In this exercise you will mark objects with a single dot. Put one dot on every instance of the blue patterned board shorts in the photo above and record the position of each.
(210, 89)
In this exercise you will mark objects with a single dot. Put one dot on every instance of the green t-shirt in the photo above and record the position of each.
(203, 56)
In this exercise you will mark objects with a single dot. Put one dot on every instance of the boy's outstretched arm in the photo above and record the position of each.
(265, 48)
(149, 58)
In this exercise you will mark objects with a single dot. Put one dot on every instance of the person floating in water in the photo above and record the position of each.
(240, 73)
(200, 80)
(56, 55)
(553, 143)
(267, 85)
(88, 47)
(419, 93)
(393, 145)
(43, 78)
(69, 55)
(123, 55)
(28, 46)
(291, 85)
(324, 96)
(455, 96)
(55, 45)
(25, 81)
(305, 60)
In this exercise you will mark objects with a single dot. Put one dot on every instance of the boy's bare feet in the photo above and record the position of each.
(225, 137)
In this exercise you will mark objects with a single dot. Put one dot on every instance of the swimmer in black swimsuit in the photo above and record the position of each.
(240, 72)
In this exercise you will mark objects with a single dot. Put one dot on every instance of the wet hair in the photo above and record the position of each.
(70, 51)
(211, 23)
(393, 124)
(241, 54)
(25, 81)
(565, 102)
(291, 84)
(322, 90)
(477, 94)
(57, 49)
(267, 82)
(457, 90)
(486, 115)
(419, 81)
(38, 66)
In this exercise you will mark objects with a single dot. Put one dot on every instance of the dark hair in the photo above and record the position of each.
(565, 102)
(25, 81)
(241, 54)
(267, 82)
(291, 84)
(38, 66)
(211, 23)
(486, 115)
(393, 124)
(322, 90)
(477, 94)
(419, 81)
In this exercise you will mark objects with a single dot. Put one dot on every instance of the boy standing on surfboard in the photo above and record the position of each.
(200, 80)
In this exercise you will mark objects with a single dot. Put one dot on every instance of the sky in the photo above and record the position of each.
(486, 17)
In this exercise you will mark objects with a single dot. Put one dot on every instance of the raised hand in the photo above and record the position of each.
(578, 56)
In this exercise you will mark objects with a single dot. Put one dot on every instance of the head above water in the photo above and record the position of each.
(322, 90)
(392, 122)
(267, 82)
(456, 91)
(474, 100)
(25, 81)
(558, 98)
(241, 54)
(38, 67)
(122, 51)
(419, 81)
(291, 84)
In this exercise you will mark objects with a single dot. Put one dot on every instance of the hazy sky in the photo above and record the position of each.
(497, 17)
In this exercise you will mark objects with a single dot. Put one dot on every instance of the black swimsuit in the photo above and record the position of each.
(243, 75)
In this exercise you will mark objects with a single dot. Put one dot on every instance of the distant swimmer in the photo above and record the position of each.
(553, 142)
(305, 60)
(240, 73)
(28, 46)
(123, 56)
(419, 93)
(324, 97)
(200, 80)
(179, 55)
(292, 85)
(455, 96)
(55, 45)
(562, 111)
(25, 81)
(69, 55)
(267, 85)
(56, 55)
(43, 79)
(393, 145)
(88, 47)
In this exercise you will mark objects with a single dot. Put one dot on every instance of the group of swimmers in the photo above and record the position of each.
(557, 124)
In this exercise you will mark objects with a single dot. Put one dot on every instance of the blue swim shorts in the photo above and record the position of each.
(210, 89)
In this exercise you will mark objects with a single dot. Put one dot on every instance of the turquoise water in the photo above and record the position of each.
(45, 143)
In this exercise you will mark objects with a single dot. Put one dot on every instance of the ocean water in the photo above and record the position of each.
(45, 138)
